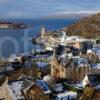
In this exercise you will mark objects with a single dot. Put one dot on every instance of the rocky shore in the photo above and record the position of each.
(9, 25)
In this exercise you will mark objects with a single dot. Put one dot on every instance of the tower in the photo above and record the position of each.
(54, 53)
(43, 31)
(58, 70)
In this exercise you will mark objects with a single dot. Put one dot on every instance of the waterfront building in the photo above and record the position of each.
(45, 35)
(43, 31)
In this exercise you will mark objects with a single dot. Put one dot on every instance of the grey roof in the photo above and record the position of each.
(23, 77)
(26, 84)
(94, 79)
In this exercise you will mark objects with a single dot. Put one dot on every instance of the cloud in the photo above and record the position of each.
(79, 12)
(42, 8)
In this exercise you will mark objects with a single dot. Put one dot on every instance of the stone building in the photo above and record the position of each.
(36, 93)
(4, 92)
(58, 70)
(77, 45)
(96, 94)
(68, 70)
(83, 45)
(44, 35)
(82, 71)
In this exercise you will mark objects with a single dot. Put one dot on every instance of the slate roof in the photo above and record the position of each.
(15, 89)
(94, 79)
(42, 84)
(26, 84)
(41, 64)
(95, 66)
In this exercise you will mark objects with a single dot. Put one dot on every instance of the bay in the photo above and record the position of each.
(14, 41)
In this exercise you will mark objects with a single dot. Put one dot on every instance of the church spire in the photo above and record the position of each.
(55, 52)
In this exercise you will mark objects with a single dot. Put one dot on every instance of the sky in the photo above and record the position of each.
(42, 8)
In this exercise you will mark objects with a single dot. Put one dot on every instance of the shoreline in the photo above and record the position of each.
(9, 25)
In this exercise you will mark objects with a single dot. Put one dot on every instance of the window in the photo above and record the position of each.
(62, 69)
(53, 66)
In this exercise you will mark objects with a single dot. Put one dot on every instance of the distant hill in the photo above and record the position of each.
(77, 15)
(87, 27)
